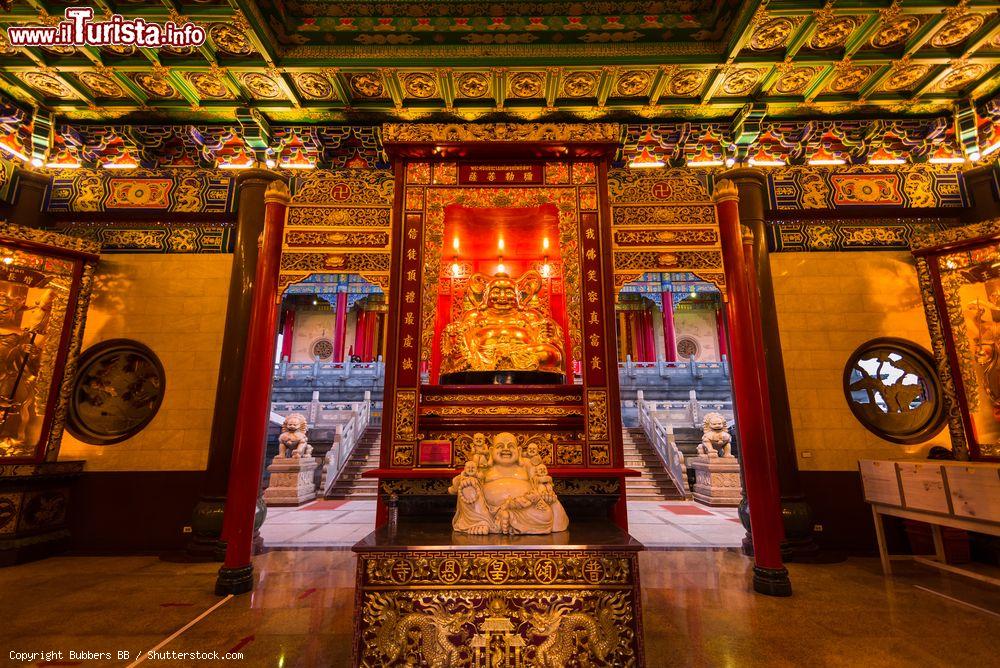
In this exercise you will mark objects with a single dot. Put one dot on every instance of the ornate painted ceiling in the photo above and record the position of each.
(298, 61)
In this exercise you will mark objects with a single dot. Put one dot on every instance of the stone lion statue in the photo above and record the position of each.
(293, 441)
(715, 437)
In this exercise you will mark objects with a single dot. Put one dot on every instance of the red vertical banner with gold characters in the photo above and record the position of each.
(407, 301)
(600, 369)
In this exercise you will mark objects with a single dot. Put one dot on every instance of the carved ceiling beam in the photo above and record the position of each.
(340, 91)
(183, 88)
(743, 29)
(257, 29)
(862, 35)
(608, 76)
(42, 136)
(873, 83)
(392, 86)
(446, 86)
(714, 81)
(819, 83)
(987, 85)
(659, 84)
(745, 128)
(552, 80)
(923, 34)
(967, 128)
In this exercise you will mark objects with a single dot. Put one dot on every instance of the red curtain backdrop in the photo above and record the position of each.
(647, 317)
(340, 327)
(286, 336)
(669, 336)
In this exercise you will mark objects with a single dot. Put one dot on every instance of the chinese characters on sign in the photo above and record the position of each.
(499, 174)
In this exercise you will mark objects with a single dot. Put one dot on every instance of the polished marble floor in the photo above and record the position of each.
(697, 606)
(670, 524)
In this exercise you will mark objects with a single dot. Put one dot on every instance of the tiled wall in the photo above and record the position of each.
(176, 305)
(828, 304)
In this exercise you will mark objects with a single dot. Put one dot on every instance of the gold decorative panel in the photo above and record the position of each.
(473, 85)
(590, 62)
(895, 31)
(503, 607)
(313, 86)
(833, 32)
(957, 28)
(686, 83)
(338, 222)
(420, 85)
(580, 84)
(771, 34)
(367, 84)
(794, 80)
(633, 83)
(526, 84)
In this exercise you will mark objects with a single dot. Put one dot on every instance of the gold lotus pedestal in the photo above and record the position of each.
(426, 596)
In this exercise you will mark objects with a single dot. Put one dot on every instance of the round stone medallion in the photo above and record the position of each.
(116, 392)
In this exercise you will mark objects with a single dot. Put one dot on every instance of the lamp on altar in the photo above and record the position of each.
(456, 268)
(501, 269)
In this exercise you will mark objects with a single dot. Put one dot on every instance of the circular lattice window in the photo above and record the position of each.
(322, 350)
(893, 390)
(116, 392)
(687, 348)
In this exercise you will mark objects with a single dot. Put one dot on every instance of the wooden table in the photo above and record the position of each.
(960, 495)
(936, 522)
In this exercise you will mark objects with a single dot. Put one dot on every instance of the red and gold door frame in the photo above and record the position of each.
(520, 166)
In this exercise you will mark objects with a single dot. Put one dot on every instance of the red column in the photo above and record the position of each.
(720, 330)
(748, 370)
(370, 336)
(365, 325)
(236, 574)
(379, 333)
(286, 335)
(635, 349)
(669, 336)
(359, 340)
(647, 322)
(366, 333)
(340, 328)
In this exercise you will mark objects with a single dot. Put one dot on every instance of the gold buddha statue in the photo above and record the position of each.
(502, 329)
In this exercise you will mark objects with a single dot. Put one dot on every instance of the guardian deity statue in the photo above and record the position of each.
(505, 493)
(503, 329)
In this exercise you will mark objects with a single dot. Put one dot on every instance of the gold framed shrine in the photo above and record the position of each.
(463, 183)
(960, 285)
(45, 284)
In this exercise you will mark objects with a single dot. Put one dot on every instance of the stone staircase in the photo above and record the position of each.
(654, 484)
(350, 484)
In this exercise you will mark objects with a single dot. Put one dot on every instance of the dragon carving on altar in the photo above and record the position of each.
(403, 635)
(566, 631)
